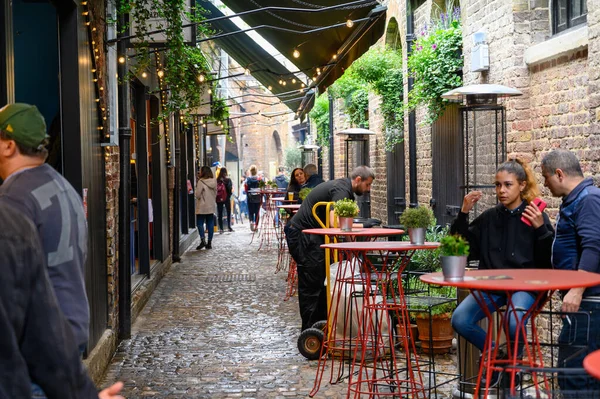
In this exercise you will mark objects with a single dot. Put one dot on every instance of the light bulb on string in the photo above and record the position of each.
(296, 53)
(349, 23)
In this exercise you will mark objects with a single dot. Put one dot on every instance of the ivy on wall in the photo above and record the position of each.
(436, 63)
(378, 70)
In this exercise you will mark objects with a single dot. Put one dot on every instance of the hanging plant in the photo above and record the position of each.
(436, 63)
(381, 69)
(183, 64)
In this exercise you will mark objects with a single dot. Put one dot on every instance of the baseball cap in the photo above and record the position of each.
(24, 124)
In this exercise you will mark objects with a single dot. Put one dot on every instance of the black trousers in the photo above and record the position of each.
(227, 205)
(310, 260)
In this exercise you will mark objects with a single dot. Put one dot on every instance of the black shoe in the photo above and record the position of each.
(208, 246)
(230, 230)
(220, 231)
(202, 245)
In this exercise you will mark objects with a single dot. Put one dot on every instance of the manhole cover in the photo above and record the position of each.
(230, 278)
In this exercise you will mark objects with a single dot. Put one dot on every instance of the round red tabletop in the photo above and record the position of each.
(290, 206)
(390, 246)
(518, 279)
(591, 364)
(356, 232)
(283, 199)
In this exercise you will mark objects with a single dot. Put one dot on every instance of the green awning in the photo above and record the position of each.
(284, 30)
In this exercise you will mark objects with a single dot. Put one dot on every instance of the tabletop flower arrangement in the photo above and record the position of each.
(304, 193)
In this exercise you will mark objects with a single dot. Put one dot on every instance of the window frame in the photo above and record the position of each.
(571, 21)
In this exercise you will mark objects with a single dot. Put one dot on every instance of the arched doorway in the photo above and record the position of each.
(275, 154)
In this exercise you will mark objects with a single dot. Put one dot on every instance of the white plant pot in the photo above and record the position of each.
(417, 235)
(346, 223)
(453, 267)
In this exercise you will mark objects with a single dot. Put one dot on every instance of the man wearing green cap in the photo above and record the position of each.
(51, 203)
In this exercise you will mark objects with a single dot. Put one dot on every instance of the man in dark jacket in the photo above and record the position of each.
(36, 341)
(312, 177)
(306, 249)
(576, 247)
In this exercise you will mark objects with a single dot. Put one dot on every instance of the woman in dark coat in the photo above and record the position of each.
(499, 239)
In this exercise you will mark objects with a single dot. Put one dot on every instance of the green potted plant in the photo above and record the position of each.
(304, 193)
(454, 250)
(346, 210)
(417, 220)
(433, 321)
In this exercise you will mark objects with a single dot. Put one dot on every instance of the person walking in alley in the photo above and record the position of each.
(280, 179)
(306, 249)
(312, 177)
(52, 204)
(206, 197)
(576, 247)
(500, 239)
(224, 192)
(37, 340)
(254, 199)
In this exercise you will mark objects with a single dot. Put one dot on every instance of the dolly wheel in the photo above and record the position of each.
(320, 325)
(309, 343)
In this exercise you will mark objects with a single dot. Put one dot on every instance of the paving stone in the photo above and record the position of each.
(234, 338)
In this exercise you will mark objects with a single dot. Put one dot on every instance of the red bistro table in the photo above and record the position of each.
(591, 364)
(266, 228)
(345, 281)
(542, 283)
(378, 369)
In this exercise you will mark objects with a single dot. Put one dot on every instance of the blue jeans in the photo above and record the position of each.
(573, 341)
(468, 313)
(209, 219)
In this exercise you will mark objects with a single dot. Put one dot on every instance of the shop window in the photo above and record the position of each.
(567, 14)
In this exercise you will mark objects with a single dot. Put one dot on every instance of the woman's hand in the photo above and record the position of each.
(534, 215)
(112, 392)
(470, 200)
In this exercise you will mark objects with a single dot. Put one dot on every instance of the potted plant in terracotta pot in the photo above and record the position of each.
(416, 220)
(346, 210)
(454, 250)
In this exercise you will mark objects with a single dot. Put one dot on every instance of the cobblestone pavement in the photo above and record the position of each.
(201, 338)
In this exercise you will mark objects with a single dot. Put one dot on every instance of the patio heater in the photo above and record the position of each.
(483, 130)
(357, 154)
(309, 154)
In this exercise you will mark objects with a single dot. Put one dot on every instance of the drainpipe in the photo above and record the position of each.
(124, 272)
(412, 118)
(331, 163)
(176, 189)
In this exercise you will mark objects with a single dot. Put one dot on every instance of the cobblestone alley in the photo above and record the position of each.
(199, 337)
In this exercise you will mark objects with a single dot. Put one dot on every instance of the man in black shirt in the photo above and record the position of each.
(306, 249)
(37, 341)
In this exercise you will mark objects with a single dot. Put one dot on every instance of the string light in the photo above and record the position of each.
(296, 53)
(144, 74)
(201, 77)
(335, 57)
(270, 88)
(294, 80)
(246, 72)
(121, 59)
(349, 23)
(160, 73)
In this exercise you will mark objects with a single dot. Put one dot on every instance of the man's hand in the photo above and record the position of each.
(112, 392)
(572, 300)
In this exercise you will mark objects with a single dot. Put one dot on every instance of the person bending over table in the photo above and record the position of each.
(306, 249)
(576, 247)
(499, 239)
